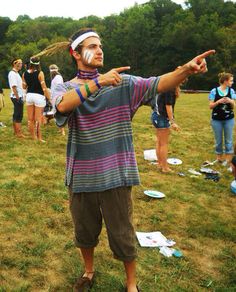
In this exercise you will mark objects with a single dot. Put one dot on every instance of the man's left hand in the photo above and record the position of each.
(198, 64)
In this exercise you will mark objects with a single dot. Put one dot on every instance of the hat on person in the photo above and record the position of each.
(53, 68)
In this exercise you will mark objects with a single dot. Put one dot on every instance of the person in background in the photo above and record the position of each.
(15, 83)
(34, 84)
(163, 119)
(101, 165)
(26, 65)
(2, 104)
(56, 79)
(221, 102)
(233, 163)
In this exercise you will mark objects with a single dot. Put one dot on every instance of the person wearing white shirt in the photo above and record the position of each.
(56, 79)
(15, 84)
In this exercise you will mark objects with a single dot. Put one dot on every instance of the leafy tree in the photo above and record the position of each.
(153, 38)
(5, 22)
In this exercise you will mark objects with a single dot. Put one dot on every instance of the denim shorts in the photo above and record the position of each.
(160, 122)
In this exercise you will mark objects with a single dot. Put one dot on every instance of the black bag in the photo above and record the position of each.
(48, 109)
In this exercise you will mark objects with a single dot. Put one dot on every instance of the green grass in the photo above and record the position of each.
(36, 240)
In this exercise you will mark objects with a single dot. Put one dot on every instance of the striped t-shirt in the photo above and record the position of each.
(100, 151)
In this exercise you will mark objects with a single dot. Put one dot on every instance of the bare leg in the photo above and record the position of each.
(130, 269)
(18, 130)
(228, 157)
(88, 257)
(163, 138)
(14, 128)
(220, 157)
(44, 120)
(31, 121)
(158, 151)
(38, 119)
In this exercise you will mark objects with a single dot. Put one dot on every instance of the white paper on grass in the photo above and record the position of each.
(153, 239)
(150, 154)
(166, 251)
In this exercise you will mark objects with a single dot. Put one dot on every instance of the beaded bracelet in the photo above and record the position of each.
(82, 99)
(87, 89)
(97, 83)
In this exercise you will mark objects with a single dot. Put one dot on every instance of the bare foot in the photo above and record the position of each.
(88, 275)
(167, 170)
(158, 165)
(132, 288)
(20, 135)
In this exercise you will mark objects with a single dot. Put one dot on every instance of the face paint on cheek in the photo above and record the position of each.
(88, 56)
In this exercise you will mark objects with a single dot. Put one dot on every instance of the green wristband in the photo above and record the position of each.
(87, 89)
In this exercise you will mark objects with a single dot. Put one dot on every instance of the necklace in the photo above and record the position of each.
(82, 74)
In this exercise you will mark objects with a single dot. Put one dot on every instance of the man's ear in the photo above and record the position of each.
(76, 55)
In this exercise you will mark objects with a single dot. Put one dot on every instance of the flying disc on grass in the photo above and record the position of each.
(174, 161)
(154, 194)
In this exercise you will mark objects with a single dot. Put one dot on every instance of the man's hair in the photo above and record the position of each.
(78, 34)
(79, 46)
(60, 46)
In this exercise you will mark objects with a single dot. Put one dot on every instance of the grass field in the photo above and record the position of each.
(36, 240)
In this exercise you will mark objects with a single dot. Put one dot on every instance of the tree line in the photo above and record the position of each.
(153, 38)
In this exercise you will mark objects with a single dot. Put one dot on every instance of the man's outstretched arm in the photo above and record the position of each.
(195, 66)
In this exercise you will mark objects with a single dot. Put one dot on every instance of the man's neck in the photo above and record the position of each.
(87, 74)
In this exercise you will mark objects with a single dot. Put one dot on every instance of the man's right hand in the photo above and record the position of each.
(112, 77)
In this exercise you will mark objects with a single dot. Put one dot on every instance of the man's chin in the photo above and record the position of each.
(95, 65)
(99, 65)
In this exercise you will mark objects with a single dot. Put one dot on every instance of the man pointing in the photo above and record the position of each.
(101, 166)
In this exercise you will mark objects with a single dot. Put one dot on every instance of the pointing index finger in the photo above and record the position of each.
(121, 69)
(206, 54)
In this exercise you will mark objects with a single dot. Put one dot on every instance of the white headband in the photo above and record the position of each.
(34, 63)
(53, 70)
(81, 38)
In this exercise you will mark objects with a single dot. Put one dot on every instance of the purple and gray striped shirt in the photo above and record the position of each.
(100, 152)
